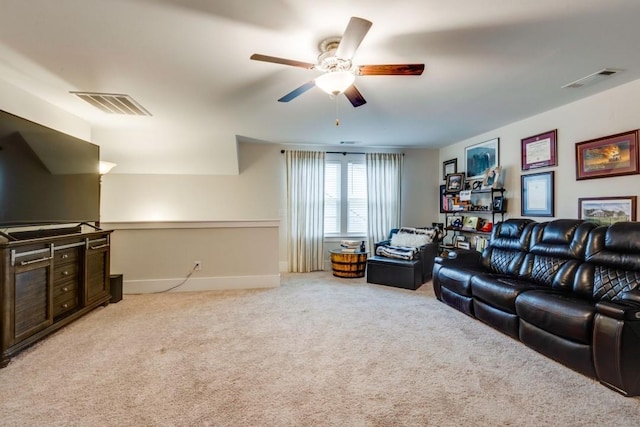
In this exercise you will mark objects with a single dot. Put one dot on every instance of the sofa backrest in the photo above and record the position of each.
(557, 249)
(612, 264)
(508, 245)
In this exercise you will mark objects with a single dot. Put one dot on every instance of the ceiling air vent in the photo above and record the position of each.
(591, 78)
(113, 103)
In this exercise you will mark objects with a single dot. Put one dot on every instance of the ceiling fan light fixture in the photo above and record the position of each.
(335, 82)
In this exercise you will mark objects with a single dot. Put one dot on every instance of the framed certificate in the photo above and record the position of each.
(540, 151)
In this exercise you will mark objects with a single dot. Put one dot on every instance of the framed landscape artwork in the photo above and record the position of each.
(539, 151)
(613, 155)
(480, 157)
(607, 210)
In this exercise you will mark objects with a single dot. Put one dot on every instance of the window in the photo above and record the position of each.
(345, 201)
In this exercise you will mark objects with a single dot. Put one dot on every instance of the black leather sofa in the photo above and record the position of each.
(566, 288)
(402, 273)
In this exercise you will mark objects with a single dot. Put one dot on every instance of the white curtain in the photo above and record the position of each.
(384, 180)
(305, 210)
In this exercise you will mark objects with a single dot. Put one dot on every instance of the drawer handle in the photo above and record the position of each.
(65, 256)
(65, 289)
(65, 273)
(65, 305)
(33, 261)
(100, 246)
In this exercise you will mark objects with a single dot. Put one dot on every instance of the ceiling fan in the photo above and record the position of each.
(334, 61)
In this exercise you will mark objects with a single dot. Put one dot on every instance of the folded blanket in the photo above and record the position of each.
(398, 252)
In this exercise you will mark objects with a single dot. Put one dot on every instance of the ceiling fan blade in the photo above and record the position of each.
(297, 92)
(266, 58)
(354, 96)
(391, 70)
(352, 37)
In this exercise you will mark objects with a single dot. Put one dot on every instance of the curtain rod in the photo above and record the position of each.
(344, 153)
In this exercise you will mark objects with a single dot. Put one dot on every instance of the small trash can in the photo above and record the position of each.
(115, 285)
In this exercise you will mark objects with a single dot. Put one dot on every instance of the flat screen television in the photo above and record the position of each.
(46, 176)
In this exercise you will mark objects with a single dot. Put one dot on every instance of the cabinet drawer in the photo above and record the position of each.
(64, 303)
(65, 288)
(64, 256)
(63, 273)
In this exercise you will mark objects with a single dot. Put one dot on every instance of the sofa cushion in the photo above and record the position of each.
(500, 291)
(612, 262)
(559, 313)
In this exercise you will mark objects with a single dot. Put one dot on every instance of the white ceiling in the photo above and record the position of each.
(488, 63)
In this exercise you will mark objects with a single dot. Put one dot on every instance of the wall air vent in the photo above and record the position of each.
(591, 78)
(113, 103)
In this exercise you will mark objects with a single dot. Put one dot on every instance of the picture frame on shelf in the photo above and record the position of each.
(455, 182)
(539, 151)
(607, 210)
(454, 222)
(613, 155)
(449, 167)
(537, 194)
(480, 157)
(470, 223)
(492, 178)
(464, 245)
(498, 204)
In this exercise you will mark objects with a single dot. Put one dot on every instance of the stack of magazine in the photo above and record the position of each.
(351, 246)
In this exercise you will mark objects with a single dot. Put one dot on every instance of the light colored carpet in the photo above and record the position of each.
(316, 351)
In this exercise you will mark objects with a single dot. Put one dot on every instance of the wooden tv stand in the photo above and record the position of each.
(48, 282)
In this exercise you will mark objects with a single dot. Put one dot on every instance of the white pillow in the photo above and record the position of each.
(414, 239)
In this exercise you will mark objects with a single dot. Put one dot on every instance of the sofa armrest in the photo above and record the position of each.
(460, 258)
(620, 309)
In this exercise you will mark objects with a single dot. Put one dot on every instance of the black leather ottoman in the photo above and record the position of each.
(394, 272)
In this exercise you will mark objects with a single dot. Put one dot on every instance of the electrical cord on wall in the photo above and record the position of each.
(171, 288)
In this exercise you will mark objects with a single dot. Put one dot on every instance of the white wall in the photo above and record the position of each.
(607, 113)
(163, 223)
(20, 103)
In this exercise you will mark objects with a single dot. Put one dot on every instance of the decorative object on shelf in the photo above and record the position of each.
(464, 245)
(454, 221)
(480, 157)
(493, 178)
(539, 151)
(465, 195)
(475, 185)
(538, 194)
(607, 210)
(449, 167)
(612, 155)
(487, 227)
(455, 181)
(443, 198)
(470, 223)
(498, 204)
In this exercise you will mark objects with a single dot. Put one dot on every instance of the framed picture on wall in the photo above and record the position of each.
(537, 194)
(607, 210)
(539, 151)
(449, 167)
(613, 155)
(480, 157)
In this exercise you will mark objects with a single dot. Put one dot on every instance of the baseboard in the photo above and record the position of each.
(201, 284)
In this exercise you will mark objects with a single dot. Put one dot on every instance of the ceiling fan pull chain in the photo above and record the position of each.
(337, 119)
